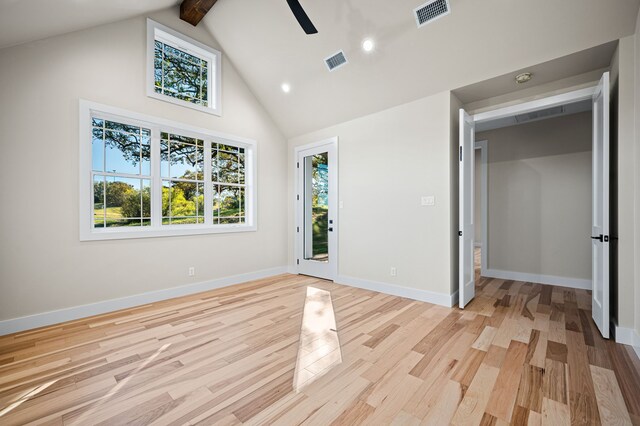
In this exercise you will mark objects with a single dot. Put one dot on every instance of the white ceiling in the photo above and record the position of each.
(595, 58)
(27, 20)
(477, 41)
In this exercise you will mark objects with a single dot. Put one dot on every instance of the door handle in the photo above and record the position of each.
(599, 238)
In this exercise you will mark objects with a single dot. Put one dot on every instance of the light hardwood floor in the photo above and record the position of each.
(293, 349)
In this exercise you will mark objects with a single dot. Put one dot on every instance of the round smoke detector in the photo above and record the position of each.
(524, 77)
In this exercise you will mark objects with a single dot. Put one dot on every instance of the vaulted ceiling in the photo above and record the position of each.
(479, 40)
(27, 20)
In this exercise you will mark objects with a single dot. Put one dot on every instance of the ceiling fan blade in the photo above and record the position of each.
(302, 17)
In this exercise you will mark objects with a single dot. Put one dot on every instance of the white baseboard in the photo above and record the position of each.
(292, 270)
(77, 312)
(443, 299)
(628, 336)
(537, 278)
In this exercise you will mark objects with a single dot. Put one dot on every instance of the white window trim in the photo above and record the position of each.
(191, 46)
(88, 233)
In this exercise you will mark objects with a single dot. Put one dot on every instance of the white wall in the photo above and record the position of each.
(627, 164)
(477, 200)
(454, 161)
(387, 161)
(43, 265)
(539, 197)
(637, 178)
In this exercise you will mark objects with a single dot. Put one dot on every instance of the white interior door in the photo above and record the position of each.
(600, 211)
(467, 289)
(316, 206)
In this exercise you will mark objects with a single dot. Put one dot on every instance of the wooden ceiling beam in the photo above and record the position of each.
(192, 11)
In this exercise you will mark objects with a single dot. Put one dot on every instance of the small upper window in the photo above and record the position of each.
(181, 70)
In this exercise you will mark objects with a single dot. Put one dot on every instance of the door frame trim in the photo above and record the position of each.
(333, 202)
(535, 105)
(466, 231)
(522, 108)
(483, 146)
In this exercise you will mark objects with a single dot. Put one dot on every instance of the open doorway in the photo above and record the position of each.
(522, 208)
(537, 203)
(481, 182)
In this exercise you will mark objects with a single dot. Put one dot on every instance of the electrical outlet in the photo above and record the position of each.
(192, 271)
(393, 272)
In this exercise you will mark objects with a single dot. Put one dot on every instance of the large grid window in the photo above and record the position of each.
(145, 177)
(182, 70)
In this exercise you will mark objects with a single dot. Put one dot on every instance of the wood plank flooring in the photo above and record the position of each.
(297, 350)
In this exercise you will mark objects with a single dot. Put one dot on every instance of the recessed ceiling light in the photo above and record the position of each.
(368, 45)
(524, 77)
(286, 88)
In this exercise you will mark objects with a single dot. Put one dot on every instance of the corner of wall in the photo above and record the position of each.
(114, 269)
(454, 107)
(637, 180)
(625, 161)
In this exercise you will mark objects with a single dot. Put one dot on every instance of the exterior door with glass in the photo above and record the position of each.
(316, 199)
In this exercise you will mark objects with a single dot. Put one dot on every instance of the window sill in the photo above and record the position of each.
(166, 231)
(180, 102)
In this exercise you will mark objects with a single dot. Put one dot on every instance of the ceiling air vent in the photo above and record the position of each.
(430, 11)
(336, 60)
(537, 115)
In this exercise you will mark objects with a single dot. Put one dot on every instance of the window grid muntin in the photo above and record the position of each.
(240, 153)
(140, 135)
(205, 63)
(199, 207)
(155, 220)
(169, 139)
(104, 174)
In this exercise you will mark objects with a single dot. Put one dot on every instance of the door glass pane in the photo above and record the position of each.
(316, 207)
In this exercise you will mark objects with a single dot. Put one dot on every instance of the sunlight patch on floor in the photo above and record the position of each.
(30, 394)
(319, 348)
(114, 391)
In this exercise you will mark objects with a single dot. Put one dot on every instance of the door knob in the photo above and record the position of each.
(599, 238)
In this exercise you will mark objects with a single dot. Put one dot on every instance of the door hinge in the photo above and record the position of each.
(297, 229)
(460, 153)
(298, 197)
(298, 165)
(459, 233)
(298, 261)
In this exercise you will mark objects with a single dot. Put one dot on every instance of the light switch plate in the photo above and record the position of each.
(429, 200)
